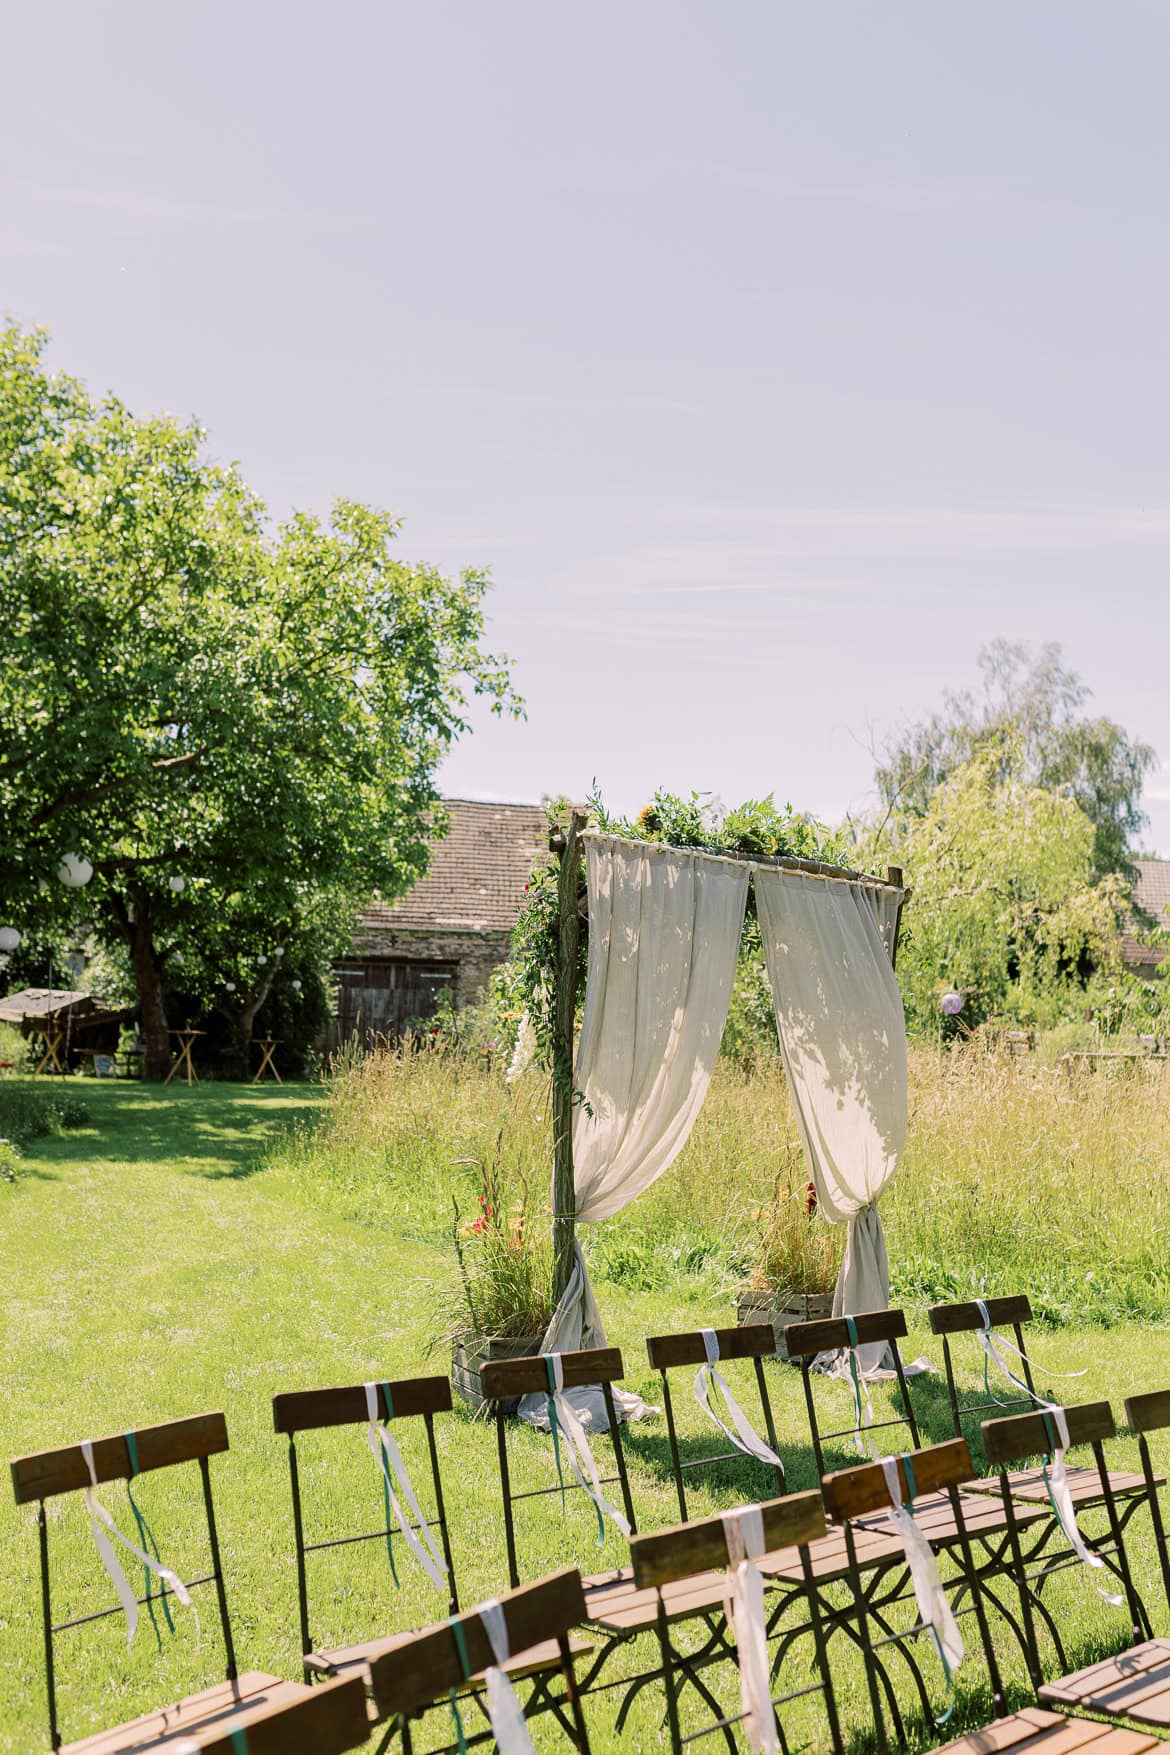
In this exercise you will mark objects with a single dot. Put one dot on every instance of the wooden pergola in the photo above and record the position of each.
(567, 847)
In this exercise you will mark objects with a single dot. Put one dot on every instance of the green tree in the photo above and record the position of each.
(190, 695)
(1029, 713)
(1005, 908)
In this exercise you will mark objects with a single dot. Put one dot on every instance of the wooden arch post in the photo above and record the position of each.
(568, 847)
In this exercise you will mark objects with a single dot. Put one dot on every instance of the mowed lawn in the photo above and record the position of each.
(153, 1267)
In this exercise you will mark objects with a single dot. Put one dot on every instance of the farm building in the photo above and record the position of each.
(1153, 894)
(451, 930)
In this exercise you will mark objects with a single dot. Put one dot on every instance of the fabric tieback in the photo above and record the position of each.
(865, 1444)
(993, 1347)
(509, 1726)
(744, 1437)
(743, 1531)
(393, 1470)
(933, 1608)
(564, 1423)
(103, 1527)
(1056, 1481)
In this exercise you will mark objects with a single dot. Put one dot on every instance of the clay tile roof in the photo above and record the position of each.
(1153, 894)
(477, 873)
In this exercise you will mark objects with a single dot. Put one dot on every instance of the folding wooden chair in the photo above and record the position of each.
(1135, 1684)
(446, 1665)
(125, 1457)
(842, 1334)
(403, 1402)
(324, 1721)
(949, 1320)
(1026, 1436)
(503, 1380)
(670, 1352)
(853, 1495)
(984, 1523)
(677, 1565)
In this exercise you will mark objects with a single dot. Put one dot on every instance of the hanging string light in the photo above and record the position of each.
(74, 871)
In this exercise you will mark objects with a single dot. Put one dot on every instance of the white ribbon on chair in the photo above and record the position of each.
(744, 1437)
(1056, 1480)
(991, 1344)
(509, 1726)
(99, 1517)
(744, 1533)
(563, 1417)
(392, 1468)
(933, 1607)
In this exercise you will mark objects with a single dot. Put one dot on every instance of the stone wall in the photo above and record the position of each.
(476, 953)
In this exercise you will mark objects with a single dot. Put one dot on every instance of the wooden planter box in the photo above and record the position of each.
(467, 1359)
(781, 1308)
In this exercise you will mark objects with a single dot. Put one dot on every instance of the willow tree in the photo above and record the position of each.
(202, 704)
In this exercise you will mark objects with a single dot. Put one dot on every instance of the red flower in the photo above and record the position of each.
(810, 1199)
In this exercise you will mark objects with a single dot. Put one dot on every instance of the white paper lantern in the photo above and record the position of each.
(177, 885)
(9, 938)
(297, 985)
(74, 871)
(279, 951)
(229, 987)
(261, 961)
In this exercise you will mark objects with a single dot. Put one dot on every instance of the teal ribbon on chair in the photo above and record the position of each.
(465, 1665)
(855, 1375)
(146, 1537)
(554, 1425)
(239, 1741)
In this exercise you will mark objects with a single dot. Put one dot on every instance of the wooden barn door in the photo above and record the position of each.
(377, 995)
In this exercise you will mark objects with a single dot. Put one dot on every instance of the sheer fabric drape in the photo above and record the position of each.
(828, 946)
(664, 933)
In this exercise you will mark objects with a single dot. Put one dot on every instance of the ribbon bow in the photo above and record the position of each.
(933, 1607)
(743, 1532)
(744, 1437)
(563, 1420)
(1056, 1481)
(390, 1464)
(509, 1727)
(100, 1522)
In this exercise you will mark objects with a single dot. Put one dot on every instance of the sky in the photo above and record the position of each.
(773, 357)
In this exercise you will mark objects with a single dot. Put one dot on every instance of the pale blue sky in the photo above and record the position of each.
(773, 356)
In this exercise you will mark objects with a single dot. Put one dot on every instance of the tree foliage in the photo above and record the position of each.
(1005, 909)
(1028, 718)
(188, 692)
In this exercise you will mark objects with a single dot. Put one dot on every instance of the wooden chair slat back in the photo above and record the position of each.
(305, 1410)
(1021, 1436)
(794, 1521)
(859, 1492)
(755, 1341)
(1149, 1412)
(423, 1669)
(502, 1378)
(328, 1720)
(829, 1333)
(49, 1472)
(953, 1319)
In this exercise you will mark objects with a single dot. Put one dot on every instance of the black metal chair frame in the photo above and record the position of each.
(738, 1343)
(1016, 1310)
(207, 1436)
(317, 1410)
(678, 1667)
(1112, 1550)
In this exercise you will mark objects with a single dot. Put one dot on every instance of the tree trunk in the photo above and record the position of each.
(246, 1017)
(148, 982)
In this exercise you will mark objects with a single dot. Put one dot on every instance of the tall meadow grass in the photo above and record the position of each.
(1014, 1178)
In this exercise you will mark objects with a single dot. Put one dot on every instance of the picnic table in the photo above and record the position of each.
(1088, 1058)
